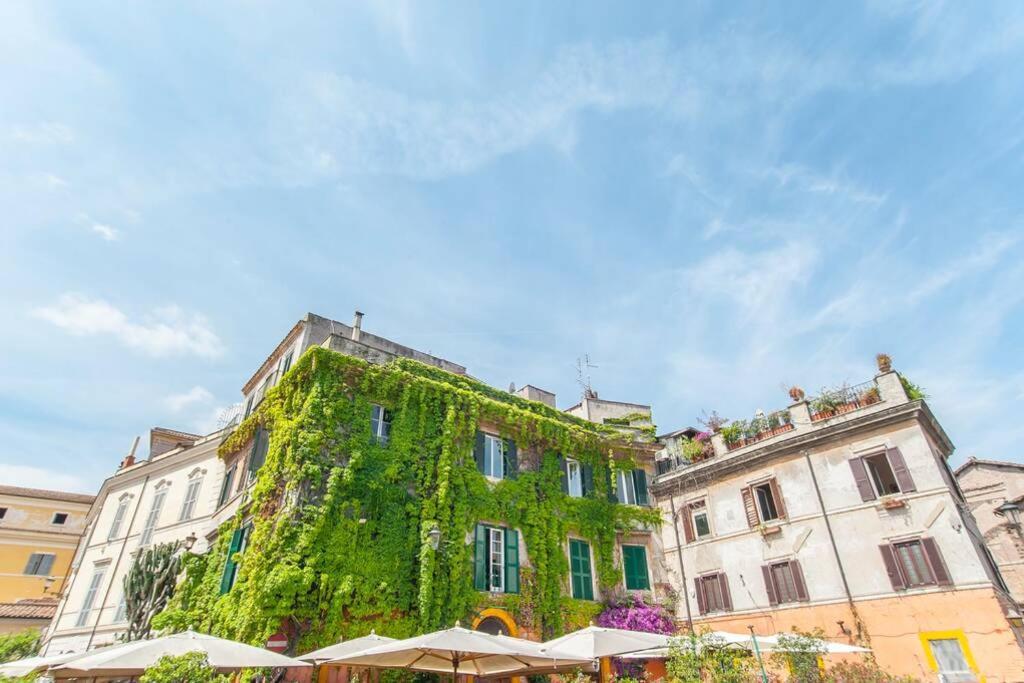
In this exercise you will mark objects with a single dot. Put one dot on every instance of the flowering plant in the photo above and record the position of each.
(633, 614)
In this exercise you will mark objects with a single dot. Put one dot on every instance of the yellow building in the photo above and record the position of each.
(39, 531)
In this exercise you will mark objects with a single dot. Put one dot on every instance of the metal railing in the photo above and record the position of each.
(760, 428)
(843, 400)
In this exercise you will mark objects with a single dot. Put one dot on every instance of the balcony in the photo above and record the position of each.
(843, 400)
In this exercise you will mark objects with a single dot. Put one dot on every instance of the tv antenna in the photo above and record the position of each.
(583, 366)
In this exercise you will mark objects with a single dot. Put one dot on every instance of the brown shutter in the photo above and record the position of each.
(891, 567)
(687, 524)
(701, 603)
(750, 507)
(777, 495)
(798, 580)
(723, 581)
(769, 585)
(899, 468)
(939, 571)
(860, 476)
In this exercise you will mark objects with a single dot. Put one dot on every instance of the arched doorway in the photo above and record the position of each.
(497, 622)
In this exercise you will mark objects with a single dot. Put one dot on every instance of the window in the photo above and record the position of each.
(225, 487)
(494, 457)
(713, 593)
(496, 559)
(701, 525)
(763, 503)
(122, 610)
(59, 518)
(39, 564)
(3, 512)
(115, 526)
(258, 454)
(574, 478)
(634, 564)
(248, 407)
(580, 573)
(950, 660)
(380, 425)
(153, 517)
(881, 474)
(286, 364)
(188, 507)
(784, 582)
(632, 487)
(914, 563)
(239, 541)
(90, 595)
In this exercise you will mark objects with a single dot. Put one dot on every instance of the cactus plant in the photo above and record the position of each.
(148, 586)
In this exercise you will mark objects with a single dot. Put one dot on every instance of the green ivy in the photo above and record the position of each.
(340, 539)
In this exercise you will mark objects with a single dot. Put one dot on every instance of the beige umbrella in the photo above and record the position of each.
(345, 648)
(31, 665)
(134, 658)
(771, 644)
(594, 642)
(458, 650)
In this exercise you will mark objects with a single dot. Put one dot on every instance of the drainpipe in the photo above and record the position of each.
(116, 563)
(835, 550)
(679, 554)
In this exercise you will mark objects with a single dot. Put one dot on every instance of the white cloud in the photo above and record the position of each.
(106, 232)
(194, 396)
(45, 133)
(806, 180)
(989, 252)
(40, 478)
(166, 331)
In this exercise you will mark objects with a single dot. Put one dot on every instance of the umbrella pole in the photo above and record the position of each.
(757, 651)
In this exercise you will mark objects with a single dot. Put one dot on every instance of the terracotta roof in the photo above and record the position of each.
(971, 461)
(47, 494)
(28, 609)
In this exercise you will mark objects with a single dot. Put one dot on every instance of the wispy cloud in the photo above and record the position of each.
(106, 232)
(166, 331)
(795, 176)
(988, 253)
(197, 395)
(44, 133)
(41, 478)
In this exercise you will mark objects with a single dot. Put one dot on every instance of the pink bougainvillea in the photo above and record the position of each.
(633, 614)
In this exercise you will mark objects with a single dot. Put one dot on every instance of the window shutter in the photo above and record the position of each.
(939, 571)
(612, 497)
(798, 580)
(780, 505)
(227, 578)
(891, 567)
(478, 451)
(769, 585)
(480, 557)
(511, 459)
(32, 565)
(511, 561)
(640, 485)
(723, 581)
(252, 466)
(702, 607)
(687, 524)
(899, 468)
(751, 509)
(860, 477)
(564, 467)
(588, 479)
(46, 565)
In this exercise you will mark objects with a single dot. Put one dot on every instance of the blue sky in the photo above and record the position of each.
(713, 201)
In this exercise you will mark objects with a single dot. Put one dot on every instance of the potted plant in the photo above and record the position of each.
(769, 529)
(884, 363)
(796, 393)
(732, 433)
(870, 395)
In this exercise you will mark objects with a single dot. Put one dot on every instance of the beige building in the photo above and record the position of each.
(995, 493)
(840, 513)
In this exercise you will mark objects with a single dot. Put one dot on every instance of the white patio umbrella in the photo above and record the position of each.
(744, 641)
(134, 658)
(771, 644)
(459, 650)
(594, 642)
(345, 648)
(38, 663)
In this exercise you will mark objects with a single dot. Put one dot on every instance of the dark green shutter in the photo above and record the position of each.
(579, 568)
(634, 559)
(563, 466)
(260, 444)
(588, 479)
(608, 482)
(227, 579)
(511, 459)
(511, 561)
(480, 558)
(478, 451)
(640, 484)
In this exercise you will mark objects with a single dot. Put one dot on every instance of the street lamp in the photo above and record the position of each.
(435, 537)
(1011, 511)
(190, 541)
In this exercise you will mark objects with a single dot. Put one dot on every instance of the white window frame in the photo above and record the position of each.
(757, 490)
(871, 469)
(121, 614)
(153, 517)
(118, 521)
(381, 435)
(958, 675)
(188, 506)
(627, 486)
(89, 601)
(495, 559)
(574, 477)
(494, 456)
(696, 512)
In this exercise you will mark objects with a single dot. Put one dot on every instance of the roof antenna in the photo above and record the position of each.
(583, 366)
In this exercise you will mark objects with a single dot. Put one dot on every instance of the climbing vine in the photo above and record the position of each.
(341, 524)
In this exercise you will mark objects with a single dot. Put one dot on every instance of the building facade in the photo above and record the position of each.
(839, 514)
(995, 491)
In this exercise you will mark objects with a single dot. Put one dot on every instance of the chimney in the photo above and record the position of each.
(357, 326)
(129, 459)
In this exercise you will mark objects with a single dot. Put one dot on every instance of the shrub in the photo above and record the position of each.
(191, 667)
(19, 644)
(705, 657)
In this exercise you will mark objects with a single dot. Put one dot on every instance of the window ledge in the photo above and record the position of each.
(892, 502)
(769, 530)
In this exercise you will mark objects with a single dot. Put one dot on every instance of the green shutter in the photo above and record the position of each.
(562, 466)
(579, 569)
(511, 459)
(588, 479)
(227, 579)
(478, 451)
(634, 560)
(640, 484)
(511, 561)
(612, 497)
(480, 558)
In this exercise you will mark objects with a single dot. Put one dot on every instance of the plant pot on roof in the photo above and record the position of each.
(884, 363)
(797, 394)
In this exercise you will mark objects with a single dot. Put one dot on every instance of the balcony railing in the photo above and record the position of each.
(760, 428)
(843, 400)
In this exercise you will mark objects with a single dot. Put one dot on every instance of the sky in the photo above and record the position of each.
(714, 201)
